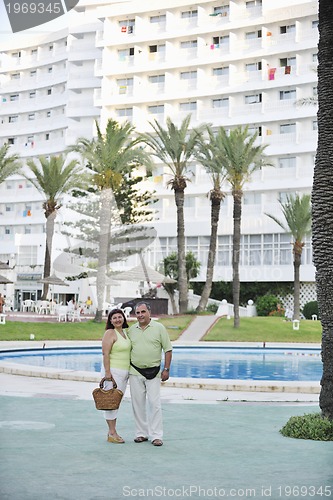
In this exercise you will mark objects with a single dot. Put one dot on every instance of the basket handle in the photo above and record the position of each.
(101, 384)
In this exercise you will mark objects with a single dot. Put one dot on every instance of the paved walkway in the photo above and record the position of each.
(198, 328)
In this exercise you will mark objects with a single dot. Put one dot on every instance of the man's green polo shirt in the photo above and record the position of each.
(147, 345)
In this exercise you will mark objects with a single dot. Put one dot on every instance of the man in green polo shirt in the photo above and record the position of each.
(148, 338)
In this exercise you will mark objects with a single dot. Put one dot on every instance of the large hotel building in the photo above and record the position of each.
(228, 63)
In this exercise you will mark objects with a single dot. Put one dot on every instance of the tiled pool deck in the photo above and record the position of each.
(217, 444)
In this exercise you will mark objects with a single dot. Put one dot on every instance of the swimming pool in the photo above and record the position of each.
(272, 364)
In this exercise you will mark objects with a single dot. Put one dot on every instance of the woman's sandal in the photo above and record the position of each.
(117, 439)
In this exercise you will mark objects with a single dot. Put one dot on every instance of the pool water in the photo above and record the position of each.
(194, 362)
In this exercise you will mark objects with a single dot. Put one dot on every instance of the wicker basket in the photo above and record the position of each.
(107, 399)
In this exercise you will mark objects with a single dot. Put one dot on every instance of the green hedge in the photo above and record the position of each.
(310, 426)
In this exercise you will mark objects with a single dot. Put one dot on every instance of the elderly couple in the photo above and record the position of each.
(137, 354)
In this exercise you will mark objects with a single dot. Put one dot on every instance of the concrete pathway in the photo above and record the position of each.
(198, 328)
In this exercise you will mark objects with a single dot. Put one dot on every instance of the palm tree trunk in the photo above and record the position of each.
(48, 251)
(235, 254)
(214, 217)
(322, 204)
(104, 242)
(182, 277)
(297, 284)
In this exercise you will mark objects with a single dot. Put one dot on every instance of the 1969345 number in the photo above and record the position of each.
(34, 8)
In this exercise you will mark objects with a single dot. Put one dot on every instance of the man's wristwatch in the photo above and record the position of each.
(166, 369)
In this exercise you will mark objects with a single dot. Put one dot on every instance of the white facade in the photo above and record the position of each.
(229, 63)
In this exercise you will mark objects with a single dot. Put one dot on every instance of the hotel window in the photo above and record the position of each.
(156, 48)
(33, 73)
(33, 52)
(314, 125)
(188, 75)
(287, 94)
(288, 162)
(255, 130)
(255, 66)
(32, 95)
(220, 40)
(315, 58)
(156, 109)
(121, 112)
(224, 250)
(221, 10)
(9, 208)
(288, 128)
(124, 84)
(15, 76)
(314, 91)
(127, 26)
(14, 97)
(8, 230)
(47, 137)
(188, 106)
(220, 103)
(16, 54)
(252, 198)
(253, 98)
(253, 3)
(315, 24)
(189, 44)
(48, 114)
(156, 78)
(49, 91)
(11, 140)
(13, 119)
(222, 71)
(287, 61)
(124, 53)
(285, 249)
(251, 250)
(49, 70)
(253, 34)
(50, 48)
(31, 116)
(291, 28)
(189, 14)
(158, 19)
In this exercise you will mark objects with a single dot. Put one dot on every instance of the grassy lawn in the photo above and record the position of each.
(265, 329)
(18, 330)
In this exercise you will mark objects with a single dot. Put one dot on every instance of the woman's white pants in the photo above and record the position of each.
(121, 378)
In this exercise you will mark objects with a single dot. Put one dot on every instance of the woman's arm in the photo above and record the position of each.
(107, 343)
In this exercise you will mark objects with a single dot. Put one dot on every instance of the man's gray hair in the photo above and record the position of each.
(142, 303)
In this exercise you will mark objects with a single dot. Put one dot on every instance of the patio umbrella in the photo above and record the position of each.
(138, 274)
(4, 280)
(53, 280)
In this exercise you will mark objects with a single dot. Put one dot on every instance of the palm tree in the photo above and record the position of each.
(240, 160)
(175, 147)
(297, 214)
(53, 178)
(322, 204)
(110, 157)
(209, 155)
(9, 164)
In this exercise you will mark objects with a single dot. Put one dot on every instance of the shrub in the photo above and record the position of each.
(310, 308)
(212, 308)
(310, 426)
(266, 304)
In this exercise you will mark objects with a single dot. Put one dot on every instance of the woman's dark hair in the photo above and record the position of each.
(109, 325)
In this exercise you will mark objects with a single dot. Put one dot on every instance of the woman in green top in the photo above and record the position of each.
(116, 348)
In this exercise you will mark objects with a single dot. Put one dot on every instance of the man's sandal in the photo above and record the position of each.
(140, 439)
(157, 442)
